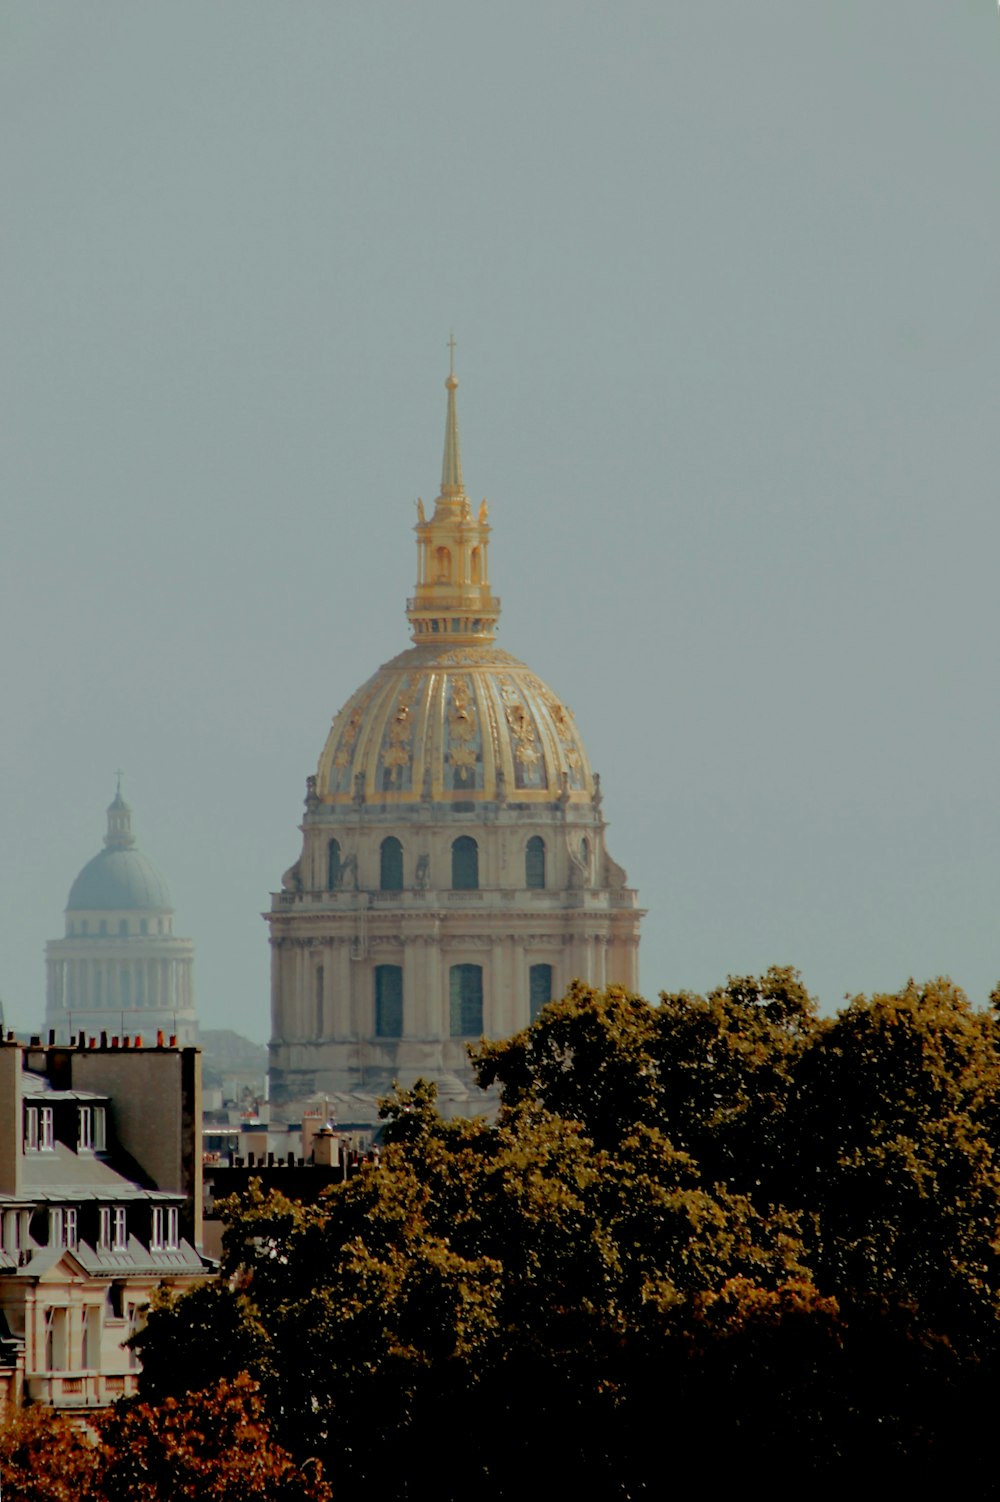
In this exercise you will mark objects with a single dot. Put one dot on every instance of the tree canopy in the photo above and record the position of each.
(721, 1229)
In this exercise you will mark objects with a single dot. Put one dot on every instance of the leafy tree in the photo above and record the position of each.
(723, 1223)
(43, 1458)
(210, 1446)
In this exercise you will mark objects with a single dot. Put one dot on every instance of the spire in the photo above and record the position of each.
(119, 835)
(453, 598)
(451, 469)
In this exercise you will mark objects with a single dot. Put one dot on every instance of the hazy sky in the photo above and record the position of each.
(724, 279)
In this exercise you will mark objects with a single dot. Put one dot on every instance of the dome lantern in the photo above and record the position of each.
(453, 598)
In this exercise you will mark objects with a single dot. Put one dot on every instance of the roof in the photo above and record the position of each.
(119, 880)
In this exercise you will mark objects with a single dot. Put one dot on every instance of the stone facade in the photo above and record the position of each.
(100, 1204)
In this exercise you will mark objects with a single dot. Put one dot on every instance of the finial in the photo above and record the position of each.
(451, 469)
(118, 786)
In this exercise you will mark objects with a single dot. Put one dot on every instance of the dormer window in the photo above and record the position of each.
(38, 1129)
(165, 1232)
(120, 1242)
(91, 1134)
(63, 1227)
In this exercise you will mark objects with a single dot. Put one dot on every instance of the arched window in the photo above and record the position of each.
(332, 864)
(476, 566)
(391, 865)
(388, 1001)
(539, 988)
(465, 864)
(534, 862)
(123, 925)
(466, 999)
(442, 566)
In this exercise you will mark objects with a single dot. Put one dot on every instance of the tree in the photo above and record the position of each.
(723, 1220)
(43, 1458)
(212, 1445)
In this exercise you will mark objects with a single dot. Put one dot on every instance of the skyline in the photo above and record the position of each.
(724, 292)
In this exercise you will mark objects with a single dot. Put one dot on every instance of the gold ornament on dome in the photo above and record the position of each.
(397, 754)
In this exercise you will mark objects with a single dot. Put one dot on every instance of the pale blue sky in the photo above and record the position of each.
(724, 278)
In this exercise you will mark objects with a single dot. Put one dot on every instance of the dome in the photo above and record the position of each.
(444, 723)
(120, 878)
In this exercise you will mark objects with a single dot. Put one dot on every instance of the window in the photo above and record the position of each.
(476, 566)
(56, 1328)
(92, 1336)
(85, 1129)
(465, 864)
(466, 998)
(156, 1232)
(120, 1241)
(144, 925)
(104, 1231)
(102, 927)
(71, 1230)
(391, 865)
(100, 1129)
(388, 1001)
(56, 1227)
(38, 1129)
(534, 862)
(173, 1229)
(539, 988)
(332, 864)
(442, 566)
(123, 926)
(319, 1001)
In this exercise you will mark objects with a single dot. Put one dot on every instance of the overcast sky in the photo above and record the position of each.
(724, 280)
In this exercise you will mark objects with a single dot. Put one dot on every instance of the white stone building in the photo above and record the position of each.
(120, 967)
(100, 1203)
(454, 874)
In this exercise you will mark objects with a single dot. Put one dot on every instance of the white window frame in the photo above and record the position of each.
(100, 1129)
(85, 1130)
(56, 1226)
(156, 1233)
(104, 1232)
(71, 1228)
(173, 1228)
(39, 1133)
(120, 1242)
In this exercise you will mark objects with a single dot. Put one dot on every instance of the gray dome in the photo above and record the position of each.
(121, 877)
(117, 880)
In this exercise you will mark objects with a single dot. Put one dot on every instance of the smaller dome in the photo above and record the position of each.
(120, 877)
(119, 880)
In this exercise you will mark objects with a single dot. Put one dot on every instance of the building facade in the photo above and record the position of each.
(120, 968)
(454, 875)
(100, 1204)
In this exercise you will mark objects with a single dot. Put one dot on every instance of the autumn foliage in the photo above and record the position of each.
(702, 1242)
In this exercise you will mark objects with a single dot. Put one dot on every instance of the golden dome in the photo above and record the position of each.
(454, 723)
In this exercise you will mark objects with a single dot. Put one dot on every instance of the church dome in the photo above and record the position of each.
(455, 719)
(120, 878)
(446, 723)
